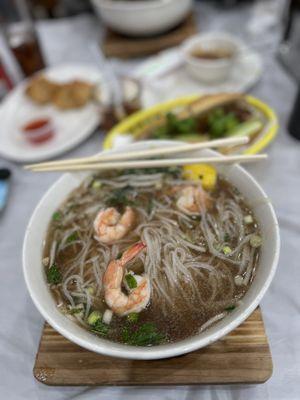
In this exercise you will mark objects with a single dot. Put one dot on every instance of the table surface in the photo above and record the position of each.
(21, 324)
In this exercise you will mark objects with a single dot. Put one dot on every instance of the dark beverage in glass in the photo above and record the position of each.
(23, 41)
(294, 122)
(5, 81)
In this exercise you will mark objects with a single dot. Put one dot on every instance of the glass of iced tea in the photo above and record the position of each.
(23, 41)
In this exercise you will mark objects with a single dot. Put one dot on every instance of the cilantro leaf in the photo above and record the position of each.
(131, 281)
(54, 275)
(71, 238)
(145, 335)
(133, 317)
(57, 216)
(221, 123)
(100, 328)
(120, 197)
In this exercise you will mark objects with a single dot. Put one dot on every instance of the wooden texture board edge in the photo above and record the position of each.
(116, 45)
(243, 356)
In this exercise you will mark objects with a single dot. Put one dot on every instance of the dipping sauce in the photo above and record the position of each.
(38, 131)
(211, 54)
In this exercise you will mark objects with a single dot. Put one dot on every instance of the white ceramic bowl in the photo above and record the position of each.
(210, 71)
(144, 17)
(42, 298)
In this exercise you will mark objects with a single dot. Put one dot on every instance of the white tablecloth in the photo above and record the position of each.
(20, 326)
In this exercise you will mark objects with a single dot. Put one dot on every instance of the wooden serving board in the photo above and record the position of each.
(116, 45)
(243, 356)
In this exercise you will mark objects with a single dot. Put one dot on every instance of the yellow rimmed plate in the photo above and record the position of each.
(135, 123)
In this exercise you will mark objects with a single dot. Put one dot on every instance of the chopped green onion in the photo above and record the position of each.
(97, 326)
(255, 241)
(96, 184)
(54, 275)
(90, 290)
(248, 219)
(230, 308)
(133, 317)
(131, 281)
(94, 317)
(72, 237)
(57, 216)
(226, 250)
(247, 128)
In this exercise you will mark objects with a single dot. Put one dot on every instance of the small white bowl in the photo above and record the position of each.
(144, 17)
(42, 298)
(206, 70)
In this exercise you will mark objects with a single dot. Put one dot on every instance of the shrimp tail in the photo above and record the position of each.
(132, 252)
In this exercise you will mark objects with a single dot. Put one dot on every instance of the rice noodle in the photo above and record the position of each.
(185, 253)
(212, 321)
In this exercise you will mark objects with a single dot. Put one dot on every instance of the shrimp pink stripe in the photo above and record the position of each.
(132, 252)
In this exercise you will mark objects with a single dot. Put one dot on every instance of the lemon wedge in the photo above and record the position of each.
(203, 172)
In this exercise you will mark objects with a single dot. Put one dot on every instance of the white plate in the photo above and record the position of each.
(245, 73)
(71, 127)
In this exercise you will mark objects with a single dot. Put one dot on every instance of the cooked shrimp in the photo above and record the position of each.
(111, 226)
(193, 199)
(119, 302)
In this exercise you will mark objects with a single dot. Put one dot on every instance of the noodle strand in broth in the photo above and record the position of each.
(198, 264)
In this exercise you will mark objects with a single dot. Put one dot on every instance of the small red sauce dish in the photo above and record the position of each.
(38, 131)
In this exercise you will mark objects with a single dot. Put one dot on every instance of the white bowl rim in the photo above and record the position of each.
(161, 351)
(195, 40)
(139, 5)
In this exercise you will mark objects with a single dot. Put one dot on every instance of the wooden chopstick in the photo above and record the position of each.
(146, 153)
(153, 163)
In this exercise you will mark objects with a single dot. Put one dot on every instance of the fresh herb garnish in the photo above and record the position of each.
(57, 216)
(255, 241)
(96, 184)
(94, 317)
(54, 275)
(174, 171)
(121, 197)
(132, 317)
(145, 335)
(226, 250)
(175, 126)
(100, 328)
(71, 238)
(97, 326)
(131, 281)
(230, 308)
(220, 123)
(75, 311)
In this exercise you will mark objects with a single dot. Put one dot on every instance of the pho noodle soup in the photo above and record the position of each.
(147, 257)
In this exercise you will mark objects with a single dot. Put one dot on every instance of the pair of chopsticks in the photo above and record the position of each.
(138, 158)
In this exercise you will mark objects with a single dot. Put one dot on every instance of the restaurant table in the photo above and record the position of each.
(66, 40)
